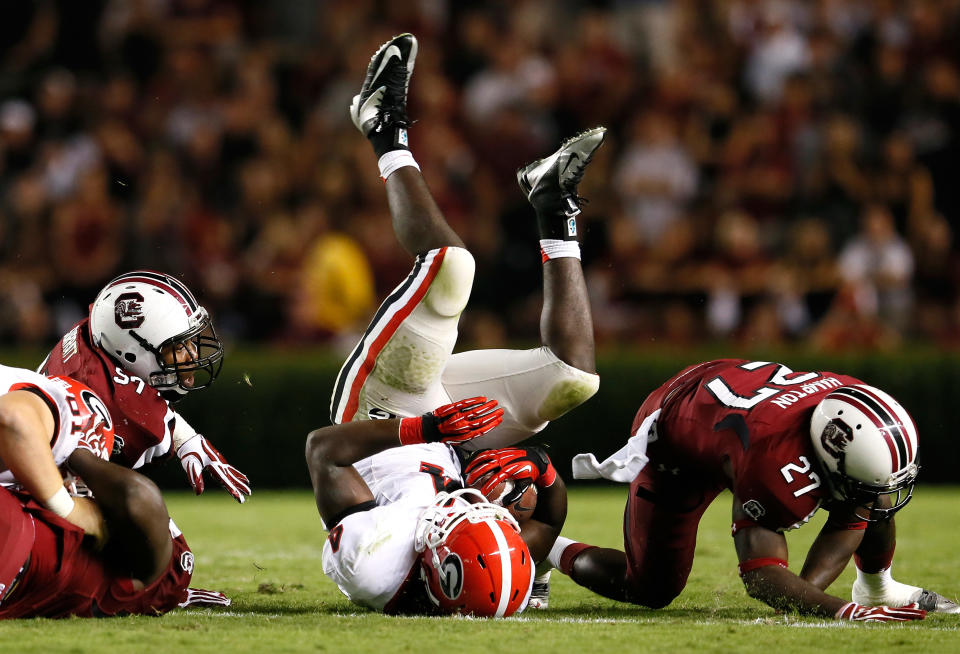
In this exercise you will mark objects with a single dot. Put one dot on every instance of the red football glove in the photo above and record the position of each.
(204, 598)
(854, 611)
(521, 464)
(198, 455)
(452, 423)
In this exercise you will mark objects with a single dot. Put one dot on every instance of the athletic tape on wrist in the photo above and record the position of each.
(60, 503)
(395, 160)
(411, 431)
(553, 248)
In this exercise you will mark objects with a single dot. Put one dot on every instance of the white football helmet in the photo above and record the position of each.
(142, 318)
(867, 444)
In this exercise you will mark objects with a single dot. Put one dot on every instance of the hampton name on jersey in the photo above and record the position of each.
(744, 425)
(144, 421)
(370, 554)
(65, 405)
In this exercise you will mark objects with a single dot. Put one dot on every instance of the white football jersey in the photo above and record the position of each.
(57, 396)
(370, 554)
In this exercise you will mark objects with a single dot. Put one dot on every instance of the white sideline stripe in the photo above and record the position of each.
(759, 622)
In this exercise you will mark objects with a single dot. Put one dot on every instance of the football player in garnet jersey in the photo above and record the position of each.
(146, 343)
(439, 548)
(116, 554)
(403, 364)
(785, 443)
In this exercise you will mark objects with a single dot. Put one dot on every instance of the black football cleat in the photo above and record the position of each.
(381, 106)
(550, 184)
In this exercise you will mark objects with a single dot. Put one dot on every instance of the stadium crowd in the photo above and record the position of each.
(776, 171)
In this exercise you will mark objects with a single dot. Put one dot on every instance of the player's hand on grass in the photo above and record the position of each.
(859, 613)
(204, 598)
(453, 423)
(519, 464)
(197, 456)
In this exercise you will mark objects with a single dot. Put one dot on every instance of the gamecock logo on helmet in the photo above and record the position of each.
(128, 310)
(835, 438)
(451, 576)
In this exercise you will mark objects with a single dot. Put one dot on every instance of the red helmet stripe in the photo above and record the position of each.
(161, 282)
(852, 399)
(904, 429)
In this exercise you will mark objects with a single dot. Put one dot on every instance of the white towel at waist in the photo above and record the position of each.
(624, 464)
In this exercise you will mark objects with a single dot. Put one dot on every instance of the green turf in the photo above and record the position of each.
(266, 556)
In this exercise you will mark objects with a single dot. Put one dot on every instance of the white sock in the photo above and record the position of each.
(394, 160)
(557, 550)
(882, 588)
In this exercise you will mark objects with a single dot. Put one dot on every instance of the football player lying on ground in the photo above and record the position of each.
(117, 554)
(439, 548)
(784, 443)
(147, 343)
(404, 366)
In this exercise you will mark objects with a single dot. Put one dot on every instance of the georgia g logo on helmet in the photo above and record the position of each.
(451, 576)
(128, 310)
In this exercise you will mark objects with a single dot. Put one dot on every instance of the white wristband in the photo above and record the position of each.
(552, 248)
(60, 503)
(394, 160)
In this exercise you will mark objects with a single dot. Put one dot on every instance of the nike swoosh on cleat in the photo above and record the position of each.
(573, 157)
(389, 53)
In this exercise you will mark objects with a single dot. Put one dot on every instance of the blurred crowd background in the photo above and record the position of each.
(775, 172)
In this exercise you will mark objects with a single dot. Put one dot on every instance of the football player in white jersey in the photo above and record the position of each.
(404, 364)
(404, 537)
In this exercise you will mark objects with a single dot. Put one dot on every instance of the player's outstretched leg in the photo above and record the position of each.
(395, 368)
(380, 113)
(550, 184)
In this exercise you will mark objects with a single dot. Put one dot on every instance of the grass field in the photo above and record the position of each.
(266, 556)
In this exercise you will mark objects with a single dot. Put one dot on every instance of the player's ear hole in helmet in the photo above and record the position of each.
(866, 444)
(473, 560)
(152, 325)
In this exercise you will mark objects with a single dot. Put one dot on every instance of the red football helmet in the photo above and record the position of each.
(91, 417)
(473, 560)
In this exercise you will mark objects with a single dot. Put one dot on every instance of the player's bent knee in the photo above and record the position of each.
(652, 598)
(570, 388)
(450, 290)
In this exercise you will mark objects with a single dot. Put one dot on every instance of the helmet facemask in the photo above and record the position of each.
(875, 503)
(187, 361)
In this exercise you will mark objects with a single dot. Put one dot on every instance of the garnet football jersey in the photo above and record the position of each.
(756, 415)
(143, 420)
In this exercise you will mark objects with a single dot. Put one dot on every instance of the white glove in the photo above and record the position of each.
(878, 588)
(205, 598)
(198, 455)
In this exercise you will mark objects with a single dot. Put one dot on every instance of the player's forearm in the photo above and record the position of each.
(541, 531)
(344, 445)
(829, 555)
(87, 515)
(785, 591)
(25, 445)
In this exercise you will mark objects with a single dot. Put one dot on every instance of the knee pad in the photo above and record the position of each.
(450, 289)
(567, 389)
